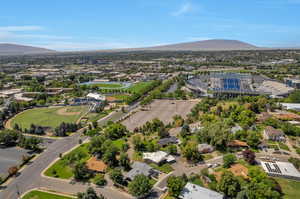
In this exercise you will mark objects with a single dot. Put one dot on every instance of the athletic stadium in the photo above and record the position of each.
(227, 84)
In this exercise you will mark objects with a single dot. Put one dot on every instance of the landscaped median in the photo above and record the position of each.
(62, 168)
(38, 194)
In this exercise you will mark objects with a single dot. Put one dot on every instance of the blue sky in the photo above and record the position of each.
(106, 24)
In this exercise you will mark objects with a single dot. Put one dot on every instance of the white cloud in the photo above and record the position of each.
(184, 9)
(19, 28)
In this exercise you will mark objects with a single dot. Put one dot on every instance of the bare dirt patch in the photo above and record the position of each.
(164, 110)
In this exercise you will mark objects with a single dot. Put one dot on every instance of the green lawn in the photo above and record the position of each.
(122, 97)
(97, 116)
(290, 188)
(138, 87)
(43, 195)
(47, 116)
(283, 146)
(165, 168)
(119, 143)
(108, 86)
(63, 167)
(197, 181)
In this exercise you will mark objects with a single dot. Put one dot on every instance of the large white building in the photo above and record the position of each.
(96, 96)
(281, 169)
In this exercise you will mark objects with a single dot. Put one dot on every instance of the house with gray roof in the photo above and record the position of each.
(192, 191)
(168, 140)
(139, 168)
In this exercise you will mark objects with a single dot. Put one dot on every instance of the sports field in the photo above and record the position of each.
(47, 117)
(101, 85)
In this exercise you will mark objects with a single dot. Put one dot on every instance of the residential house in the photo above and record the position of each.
(158, 157)
(168, 140)
(205, 148)
(237, 144)
(95, 165)
(274, 134)
(192, 191)
(139, 168)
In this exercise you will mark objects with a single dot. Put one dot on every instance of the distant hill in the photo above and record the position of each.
(14, 49)
(207, 45)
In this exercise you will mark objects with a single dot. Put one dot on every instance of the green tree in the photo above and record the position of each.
(99, 180)
(124, 161)
(109, 156)
(228, 160)
(115, 131)
(190, 152)
(140, 186)
(229, 184)
(89, 194)
(81, 172)
(116, 176)
(172, 149)
(175, 185)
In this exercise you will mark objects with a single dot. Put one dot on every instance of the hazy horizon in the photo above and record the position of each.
(71, 26)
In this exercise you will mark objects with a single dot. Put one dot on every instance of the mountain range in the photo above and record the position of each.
(15, 49)
(206, 45)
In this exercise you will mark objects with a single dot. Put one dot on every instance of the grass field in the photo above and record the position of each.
(50, 117)
(62, 168)
(108, 86)
(43, 195)
(290, 188)
(138, 87)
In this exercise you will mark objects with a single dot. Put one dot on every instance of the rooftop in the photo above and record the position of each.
(192, 191)
(237, 143)
(96, 165)
(280, 168)
(137, 169)
(273, 132)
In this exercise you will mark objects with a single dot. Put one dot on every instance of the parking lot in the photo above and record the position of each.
(10, 157)
(161, 109)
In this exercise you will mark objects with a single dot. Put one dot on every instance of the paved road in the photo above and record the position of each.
(31, 177)
(180, 169)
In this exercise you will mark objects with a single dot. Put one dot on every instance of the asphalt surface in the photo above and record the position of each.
(30, 177)
(10, 157)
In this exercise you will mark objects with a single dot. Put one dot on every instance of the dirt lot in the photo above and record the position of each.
(161, 109)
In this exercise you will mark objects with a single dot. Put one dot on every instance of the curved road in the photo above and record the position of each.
(30, 177)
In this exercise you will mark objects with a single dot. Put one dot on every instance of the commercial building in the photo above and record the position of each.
(281, 169)
(291, 106)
